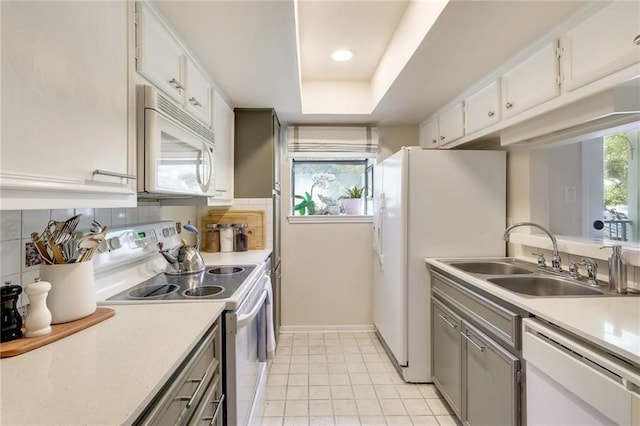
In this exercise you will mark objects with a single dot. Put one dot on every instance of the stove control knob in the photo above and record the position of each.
(104, 246)
(166, 232)
(115, 243)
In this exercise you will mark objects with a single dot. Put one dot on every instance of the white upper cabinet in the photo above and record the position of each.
(532, 82)
(198, 94)
(482, 109)
(164, 61)
(451, 124)
(443, 129)
(159, 54)
(605, 42)
(223, 123)
(68, 105)
(429, 137)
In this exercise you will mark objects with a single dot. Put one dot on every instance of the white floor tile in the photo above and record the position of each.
(416, 407)
(297, 393)
(296, 421)
(392, 407)
(428, 391)
(319, 358)
(424, 420)
(296, 408)
(360, 379)
(277, 380)
(341, 392)
(275, 393)
(372, 421)
(299, 369)
(337, 368)
(319, 392)
(279, 369)
(386, 391)
(409, 391)
(299, 359)
(318, 379)
(339, 379)
(437, 407)
(376, 367)
(447, 421)
(318, 369)
(356, 367)
(300, 350)
(369, 407)
(381, 378)
(321, 421)
(395, 420)
(298, 380)
(344, 407)
(364, 392)
(320, 408)
(272, 421)
(273, 408)
(347, 421)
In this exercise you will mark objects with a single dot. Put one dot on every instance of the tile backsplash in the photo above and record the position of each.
(19, 264)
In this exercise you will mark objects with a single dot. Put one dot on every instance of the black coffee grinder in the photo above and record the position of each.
(11, 319)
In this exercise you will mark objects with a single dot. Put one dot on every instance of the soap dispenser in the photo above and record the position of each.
(617, 270)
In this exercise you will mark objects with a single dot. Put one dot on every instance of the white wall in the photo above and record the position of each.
(327, 267)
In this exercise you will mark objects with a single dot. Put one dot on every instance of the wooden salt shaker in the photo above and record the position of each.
(38, 321)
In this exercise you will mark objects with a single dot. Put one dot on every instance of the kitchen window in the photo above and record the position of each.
(328, 186)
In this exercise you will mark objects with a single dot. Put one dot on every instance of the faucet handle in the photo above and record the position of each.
(542, 262)
(592, 269)
(574, 269)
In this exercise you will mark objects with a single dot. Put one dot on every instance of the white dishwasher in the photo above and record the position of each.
(569, 383)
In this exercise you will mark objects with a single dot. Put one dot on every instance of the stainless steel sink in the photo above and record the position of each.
(491, 267)
(542, 285)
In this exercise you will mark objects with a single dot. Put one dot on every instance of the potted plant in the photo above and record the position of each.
(331, 204)
(352, 200)
(306, 205)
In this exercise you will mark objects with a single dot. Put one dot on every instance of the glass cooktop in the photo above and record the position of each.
(215, 282)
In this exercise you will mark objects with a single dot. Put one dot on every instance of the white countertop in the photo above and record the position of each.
(107, 373)
(610, 322)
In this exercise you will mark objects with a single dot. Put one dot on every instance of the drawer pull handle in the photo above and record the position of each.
(193, 101)
(445, 319)
(215, 413)
(490, 114)
(468, 337)
(195, 392)
(114, 174)
(176, 84)
(636, 40)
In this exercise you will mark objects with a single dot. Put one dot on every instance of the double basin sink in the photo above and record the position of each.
(526, 279)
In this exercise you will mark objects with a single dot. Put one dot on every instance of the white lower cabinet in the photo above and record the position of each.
(68, 103)
(603, 43)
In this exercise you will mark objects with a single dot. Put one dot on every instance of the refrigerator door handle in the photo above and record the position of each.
(379, 228)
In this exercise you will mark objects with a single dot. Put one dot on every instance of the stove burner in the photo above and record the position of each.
(225, 270)
(203, 291)
(153, 291)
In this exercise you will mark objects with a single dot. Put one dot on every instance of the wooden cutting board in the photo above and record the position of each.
(58, 331)
(253, 218)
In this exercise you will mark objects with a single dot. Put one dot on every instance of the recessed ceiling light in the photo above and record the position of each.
(342, 55)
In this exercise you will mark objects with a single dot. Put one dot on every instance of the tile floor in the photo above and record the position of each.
(344, 379)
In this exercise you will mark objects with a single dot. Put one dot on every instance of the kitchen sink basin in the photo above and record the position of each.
(538, 285)
(490, 267)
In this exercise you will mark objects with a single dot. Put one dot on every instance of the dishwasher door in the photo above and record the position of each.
(568, 383)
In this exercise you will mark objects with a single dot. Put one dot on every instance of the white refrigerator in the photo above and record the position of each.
(429, 203)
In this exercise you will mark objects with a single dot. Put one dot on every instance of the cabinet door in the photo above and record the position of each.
(159, 54)
(601, 44)
(198, 92)
(451, 124)
(223, 121)
(446, 346)
(492, 391)
(532, 82)
(67, 100)
(429, 137)
(482, 108)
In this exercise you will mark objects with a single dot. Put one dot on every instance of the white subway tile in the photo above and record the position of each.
(10, 224)
(103, 217)
(34, 221)
(85, 220)
(131, 216)
(60, 215)
(118, 217)
(10, 257)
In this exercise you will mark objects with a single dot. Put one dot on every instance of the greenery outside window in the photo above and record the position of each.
(324, 186)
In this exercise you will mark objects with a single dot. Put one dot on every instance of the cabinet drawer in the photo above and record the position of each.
(487, 314)
(209, 412)
(446, 347)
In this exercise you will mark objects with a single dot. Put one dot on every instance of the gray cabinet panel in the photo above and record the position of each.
(446, 365)
(491, 385)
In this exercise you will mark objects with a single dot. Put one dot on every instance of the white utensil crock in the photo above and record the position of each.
(72, 295)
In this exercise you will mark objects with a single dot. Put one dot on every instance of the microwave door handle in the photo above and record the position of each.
(198, 161)
(209, 155)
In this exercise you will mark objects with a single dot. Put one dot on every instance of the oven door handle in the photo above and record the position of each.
(244, 320)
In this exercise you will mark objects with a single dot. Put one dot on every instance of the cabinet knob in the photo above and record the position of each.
(441, 138)
(434, 141)
(490, 114)
(637, 39)
(508, 105)
(193, 101)
(176, 84)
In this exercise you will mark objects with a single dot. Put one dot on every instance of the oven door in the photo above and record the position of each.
(177, 161)
(246, 367)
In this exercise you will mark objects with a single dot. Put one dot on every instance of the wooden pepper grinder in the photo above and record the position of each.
(38, 321)
(11, 319)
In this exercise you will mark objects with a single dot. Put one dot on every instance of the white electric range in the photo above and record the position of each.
(130, 270)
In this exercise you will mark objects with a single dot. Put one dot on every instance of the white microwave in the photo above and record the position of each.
(175, 151)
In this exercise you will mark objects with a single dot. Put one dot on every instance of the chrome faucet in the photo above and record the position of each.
(555, 262)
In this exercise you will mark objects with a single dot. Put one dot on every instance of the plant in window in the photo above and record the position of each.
(321, 180)
(352, 200)
(331, 204)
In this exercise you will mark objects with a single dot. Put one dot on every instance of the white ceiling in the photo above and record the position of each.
(250, 49)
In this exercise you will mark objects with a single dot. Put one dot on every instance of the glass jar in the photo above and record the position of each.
(240, 240)
(226, 237)
(212, 244)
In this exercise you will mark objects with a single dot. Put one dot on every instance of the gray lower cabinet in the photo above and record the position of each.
(491, 389)
(447, 353)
